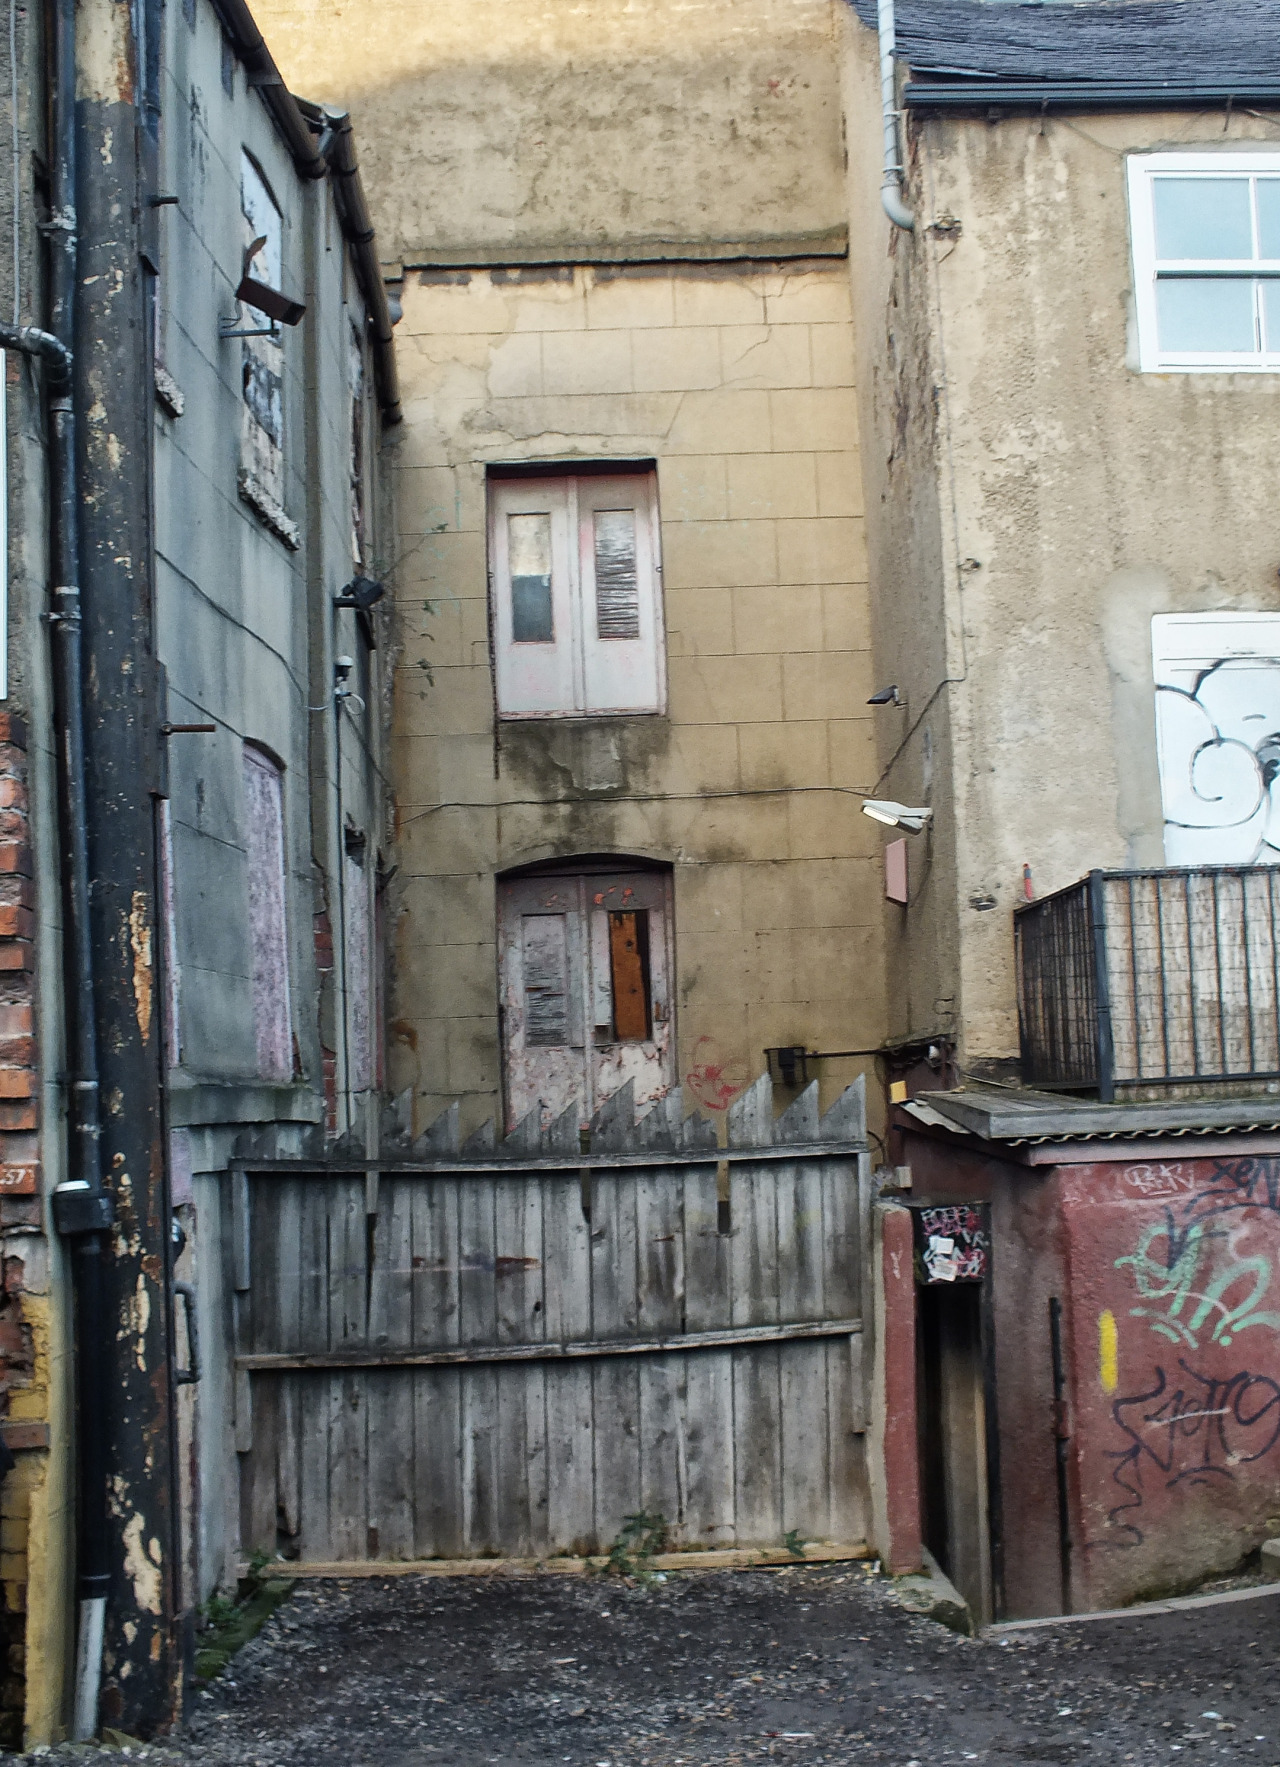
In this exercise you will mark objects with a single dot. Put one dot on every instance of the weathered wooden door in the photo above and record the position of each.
(587, 1000)
(507, 1354)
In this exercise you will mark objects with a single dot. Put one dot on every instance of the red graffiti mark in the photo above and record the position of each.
(598, 898)
(713, 1081)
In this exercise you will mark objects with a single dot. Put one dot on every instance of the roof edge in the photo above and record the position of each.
(1039, 97)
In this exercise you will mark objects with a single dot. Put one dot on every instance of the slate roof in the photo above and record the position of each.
(1183, 43)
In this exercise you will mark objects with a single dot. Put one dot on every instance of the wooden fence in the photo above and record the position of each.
(507, 1350)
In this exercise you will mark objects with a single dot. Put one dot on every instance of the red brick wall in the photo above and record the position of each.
(19, 1195)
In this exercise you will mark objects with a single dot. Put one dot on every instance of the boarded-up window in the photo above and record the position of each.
(617, 589)
(546, 980)
(262, 358)
(268, 934)
(577, 594)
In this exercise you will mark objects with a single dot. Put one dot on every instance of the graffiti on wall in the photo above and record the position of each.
(1202, 1276)
(1190, 1427)
(1217, 679)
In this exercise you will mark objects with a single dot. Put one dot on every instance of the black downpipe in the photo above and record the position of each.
(1061, 1448)
(82, 1212)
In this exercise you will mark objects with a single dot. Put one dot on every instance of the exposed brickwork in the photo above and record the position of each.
(19, 1195)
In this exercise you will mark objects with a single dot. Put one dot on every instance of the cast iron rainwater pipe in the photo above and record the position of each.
(83, 1212)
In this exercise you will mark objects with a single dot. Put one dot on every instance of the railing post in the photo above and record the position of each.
(1102, 992)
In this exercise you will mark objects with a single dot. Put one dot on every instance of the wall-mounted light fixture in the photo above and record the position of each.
(897, 815)
(279, 308)
(887, 696)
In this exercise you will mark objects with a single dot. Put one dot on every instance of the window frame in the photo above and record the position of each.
(573, 492)
(1142, 172)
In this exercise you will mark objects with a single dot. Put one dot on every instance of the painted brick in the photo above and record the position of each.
(17, 1082)
(18, 1115)
(15, 856)
(17, 954)
(19, 1180)
(16, 922)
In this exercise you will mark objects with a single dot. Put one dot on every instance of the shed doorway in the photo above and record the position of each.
(586, 973)
(954, 1483)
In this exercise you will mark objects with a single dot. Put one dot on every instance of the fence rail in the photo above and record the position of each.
(1142, 977)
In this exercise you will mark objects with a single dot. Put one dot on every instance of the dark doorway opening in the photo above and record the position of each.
(955, 1482)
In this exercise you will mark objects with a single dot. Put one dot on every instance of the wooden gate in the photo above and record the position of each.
(506, 1351)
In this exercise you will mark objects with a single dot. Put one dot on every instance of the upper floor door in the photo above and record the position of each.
(586, 978)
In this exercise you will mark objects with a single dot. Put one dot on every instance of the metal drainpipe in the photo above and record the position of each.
(82, 1211)
(891, 185)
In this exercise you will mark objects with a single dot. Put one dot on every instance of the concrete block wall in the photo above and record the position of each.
(737, 380)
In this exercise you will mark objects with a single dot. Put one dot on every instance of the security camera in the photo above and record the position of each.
(896, 815)
(342, 667)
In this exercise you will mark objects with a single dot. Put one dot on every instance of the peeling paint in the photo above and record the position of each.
(137, 1317)
(142, 1566)
(143, 974)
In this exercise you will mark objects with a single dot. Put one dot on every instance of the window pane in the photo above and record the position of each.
(1271, 317)
(617, 591)
(546, 980)
(1202, 218)
(529, 549)
(1269, 217)
(1204, 314)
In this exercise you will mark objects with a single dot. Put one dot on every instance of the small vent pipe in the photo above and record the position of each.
(891, 199)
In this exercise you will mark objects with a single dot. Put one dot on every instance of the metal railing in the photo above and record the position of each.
(1144, 977)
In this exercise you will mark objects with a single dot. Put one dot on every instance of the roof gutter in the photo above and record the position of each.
(320, 143)
(338, 144)
(1045, 96)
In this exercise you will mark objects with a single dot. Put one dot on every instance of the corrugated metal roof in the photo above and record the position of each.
(1208, 43)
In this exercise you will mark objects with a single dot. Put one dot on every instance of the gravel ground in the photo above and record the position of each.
(809, 1665)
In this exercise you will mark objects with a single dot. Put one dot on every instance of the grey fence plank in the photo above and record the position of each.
(707, 1282)
(437, 1393)
(663, 1461)
(567, 1390)
(757, 1425)
(570, 1458)
(520, 1440)
(478, 1324)
(390, 1396)
(710, 1450)
(288, 1204)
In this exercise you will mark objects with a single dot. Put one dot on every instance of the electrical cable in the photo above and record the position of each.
(17, 159)
(686, 797)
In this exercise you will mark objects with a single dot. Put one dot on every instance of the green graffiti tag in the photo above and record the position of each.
(1173, 1267)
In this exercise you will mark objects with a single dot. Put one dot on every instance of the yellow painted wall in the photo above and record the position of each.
(739, 384)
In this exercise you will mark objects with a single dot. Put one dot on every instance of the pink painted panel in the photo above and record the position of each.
(268, 936)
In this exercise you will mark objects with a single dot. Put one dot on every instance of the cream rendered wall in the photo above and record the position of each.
(739, 383)
(1054, 499)
(519, 125)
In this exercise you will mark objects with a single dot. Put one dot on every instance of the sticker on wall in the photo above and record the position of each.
(1217, 679)
(952, 1244)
